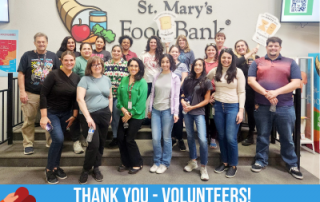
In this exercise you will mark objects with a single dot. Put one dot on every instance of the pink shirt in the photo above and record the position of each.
(131, 55)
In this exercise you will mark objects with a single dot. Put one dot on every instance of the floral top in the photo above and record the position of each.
(116, 71)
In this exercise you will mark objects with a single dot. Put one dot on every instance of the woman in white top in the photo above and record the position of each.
(229, 103)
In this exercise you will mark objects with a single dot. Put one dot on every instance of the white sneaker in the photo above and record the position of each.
(191, 165)
(204, 174)
(77, 147)
(154, 168)
(161, 169)
(83, 141)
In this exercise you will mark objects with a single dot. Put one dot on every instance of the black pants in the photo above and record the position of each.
(75, 130)
(149, 89)
(95, 148)
(210, 124)
(129, 151)
(249, 106)
(177, 129)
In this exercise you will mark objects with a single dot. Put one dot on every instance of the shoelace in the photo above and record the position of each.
(294, 169)
(204, 170)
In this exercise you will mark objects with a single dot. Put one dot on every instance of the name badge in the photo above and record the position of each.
(129, 105)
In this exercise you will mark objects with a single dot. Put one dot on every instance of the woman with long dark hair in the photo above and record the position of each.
(101, 49)
(126, 43)
(229, 103)
(243, 61)
(68, 43)
(195, 96)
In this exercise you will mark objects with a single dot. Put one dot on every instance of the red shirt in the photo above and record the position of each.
(209, 67)
(131, 55)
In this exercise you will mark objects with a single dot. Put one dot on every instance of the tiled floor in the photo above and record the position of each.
(310, 162)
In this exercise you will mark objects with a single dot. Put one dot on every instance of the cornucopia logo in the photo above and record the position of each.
(85, 23)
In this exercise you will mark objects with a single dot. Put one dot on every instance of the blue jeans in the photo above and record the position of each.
(58, 121)
(202, 135)
(115, 118)
(227, 127)
(162, 123)
(284, 120)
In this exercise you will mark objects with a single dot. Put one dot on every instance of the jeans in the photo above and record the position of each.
(202, 135)
(58, 121)
(115, 118)
(129, 151)
(162, 123)
(284, 120)
(225, 119)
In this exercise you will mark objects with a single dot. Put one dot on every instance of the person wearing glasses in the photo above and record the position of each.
(132, 96)
(115, 69)
(229, 104)
(94, 96)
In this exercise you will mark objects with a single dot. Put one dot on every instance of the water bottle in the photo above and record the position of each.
(90, 134)
(188, 104)
(273, 108)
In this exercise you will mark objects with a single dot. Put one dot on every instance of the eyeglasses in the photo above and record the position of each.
(97, 65)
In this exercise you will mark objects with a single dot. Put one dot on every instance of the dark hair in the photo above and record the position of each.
(104, 41)
(215, 47)
(94, 59)
(68, 53)
(174, 46)
(189, 81)
(117, 46)
(232, 70)
(125, 37)
(140, 74)
(64, 43)
(274, 39)
(159, 48)
(220, 34)
(82, 44)
(170, 58)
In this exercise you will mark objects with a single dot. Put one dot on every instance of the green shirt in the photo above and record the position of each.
(80, 66)
(138, 97)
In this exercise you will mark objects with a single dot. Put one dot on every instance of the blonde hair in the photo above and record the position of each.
(40, 34)
(186, 48)
(248, 50)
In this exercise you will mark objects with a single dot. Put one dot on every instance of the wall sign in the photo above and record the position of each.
(8, 51)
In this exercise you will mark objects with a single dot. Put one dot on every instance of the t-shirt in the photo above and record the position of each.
(59, 91)
(186, 58)
(180, 69)
(152, 67)
(59, 53)
(97, 92)
(34, 75)
(105, 55)
(274, 74)
(162, 90)
(80, 66)
(197, 96)
(130, 55)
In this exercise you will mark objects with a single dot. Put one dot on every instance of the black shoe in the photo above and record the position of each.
(231, 172)
(51, 177)
(256, 167)
(36, 124)
(60, 173)
(221, 168)
(295, 172)
(247, 142)
(135, 171)
(96, 174)
(84, 177)
(174, 142)
(113, 143)
(122, 168)
(181, 145)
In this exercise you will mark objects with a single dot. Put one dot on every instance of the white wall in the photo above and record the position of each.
(33, 16)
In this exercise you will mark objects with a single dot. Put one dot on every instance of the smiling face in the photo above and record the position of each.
(175, 53)
(220, 41)
(273, 49)
(153, 44)
(71, 44)
(86, 51)
(182, 43)
(116, 53)
(96, 67)
(133, 68)
(99, 44)
(126, 44)
(68, 62)
(226, 59)
(211, 52)
(241, 48)
(165, 64)
(41, 43)
(198, 67)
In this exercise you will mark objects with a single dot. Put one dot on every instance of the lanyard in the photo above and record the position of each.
(130, 89)
(44, 60)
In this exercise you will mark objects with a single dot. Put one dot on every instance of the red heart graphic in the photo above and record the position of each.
(22, 192)
(29, 198)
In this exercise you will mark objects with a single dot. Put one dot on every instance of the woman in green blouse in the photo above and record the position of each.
(132, 96)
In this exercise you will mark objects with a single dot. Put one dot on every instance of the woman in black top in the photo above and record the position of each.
(68, 43)
(244, 60)
(59, 109)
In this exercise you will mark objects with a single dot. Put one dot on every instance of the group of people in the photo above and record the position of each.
(92, 89)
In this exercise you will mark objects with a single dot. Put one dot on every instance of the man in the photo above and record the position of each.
(34, 66)
(274, 78)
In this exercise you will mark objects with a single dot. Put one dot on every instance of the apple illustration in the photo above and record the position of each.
(80, 32)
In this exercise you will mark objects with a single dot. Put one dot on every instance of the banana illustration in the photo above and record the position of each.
(318, 65)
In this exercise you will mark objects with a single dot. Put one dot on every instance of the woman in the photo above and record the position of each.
(243, 61)
(229, 103)
(132, 89)
(95, 101)
(115, 69)
(59, 109)
(164, 110)
(195, 96)
(101, 49)
(186, 54)
(182, 72)
(211, 60)
(79, 69)
(220, 39)
(126, 43)
(68, 43)
(150, 58)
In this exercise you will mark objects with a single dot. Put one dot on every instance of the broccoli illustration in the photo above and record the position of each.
(108, 35)
(97, 29)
